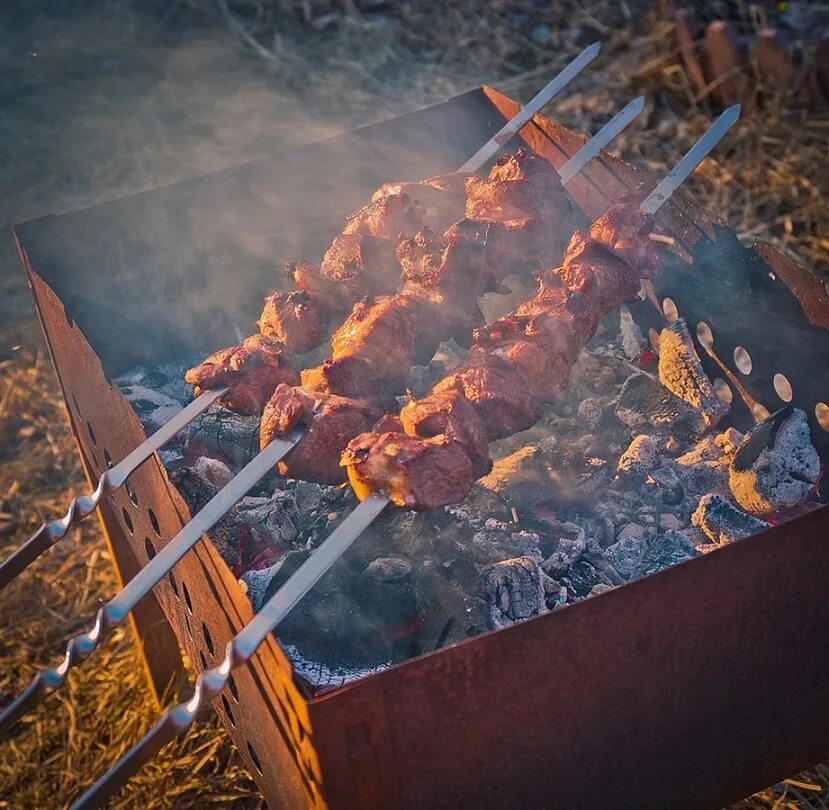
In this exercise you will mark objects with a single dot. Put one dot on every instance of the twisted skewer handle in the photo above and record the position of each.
(111, 481)
(240, 649)
(81, 646)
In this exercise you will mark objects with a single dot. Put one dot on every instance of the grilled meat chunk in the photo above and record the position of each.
(442, 198)
(297, 319)
(515, 366)
(416, 473)
(251, 372)
(452, 415)
(330, 421)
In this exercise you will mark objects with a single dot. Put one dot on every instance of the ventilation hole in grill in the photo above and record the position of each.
(653, 339)
(207, 639)
(670, 310)
(742, 359)
(704, 335)
(108, 459)
(187, 598)
(77, 407)
(723, 390)
(783, 388)
(231, 684)
(131, 493)
(255, 757)
(154, 522)
(826, 286)
(228, 712)
(822, 415)
(149, 547)
(759, 412)
(173, 583)
(187, 625)
(127, 520)
(91, 434)
(203, 661)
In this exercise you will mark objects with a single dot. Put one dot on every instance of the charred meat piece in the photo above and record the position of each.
(523, 193)
(515, 366)
(452, 415)
(251, 372)
(330, 422)
(503, 399)
(298, 320)
(442, 198)
(416, 473)
(626, 231)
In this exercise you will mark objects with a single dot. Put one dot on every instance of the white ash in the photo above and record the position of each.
(638, 460)
(565, 498)
(722, 522)
(630, 335)
(515, 590)
(681, 372)
(776, 466)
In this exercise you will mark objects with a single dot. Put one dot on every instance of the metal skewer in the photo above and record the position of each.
(114, 612)
(497, 141)
(112, 480)
(84, 505)
(239, 650)
(81, 646)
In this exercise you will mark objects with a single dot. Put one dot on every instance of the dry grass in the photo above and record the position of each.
(767, 181)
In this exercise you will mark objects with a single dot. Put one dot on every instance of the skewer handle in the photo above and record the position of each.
(112, 480)
(240, 649)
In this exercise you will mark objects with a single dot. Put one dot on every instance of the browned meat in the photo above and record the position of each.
(452, 415)
(251, 372)
(503, 399)
(523, 193)
(515, 366)
(385, 218)
(330, 422)
(416, 473)
(441, 198)
(625, 229)
(298, 320)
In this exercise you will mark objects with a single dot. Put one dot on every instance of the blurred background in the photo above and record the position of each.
(104, 98)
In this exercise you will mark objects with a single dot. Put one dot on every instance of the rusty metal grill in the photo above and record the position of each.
(667, 692)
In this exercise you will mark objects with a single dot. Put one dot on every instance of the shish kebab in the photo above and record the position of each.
(567, 290)
(335, 433)
(262, 350)
(513, 218)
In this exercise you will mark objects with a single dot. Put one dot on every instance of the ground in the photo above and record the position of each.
(107, 97)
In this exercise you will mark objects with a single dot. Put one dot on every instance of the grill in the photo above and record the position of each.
(671, 691)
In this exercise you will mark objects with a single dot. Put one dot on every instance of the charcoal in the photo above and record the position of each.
(271, 515)
(514, 590)
(581, 578)
(354, 617)
(723, 522)
(667, 549)
(213, 470)
(776, 466)
(669, 522)
(231, 535)
(593, 411)
(550, 470)
(568, 550)
(223, 435)
(681, 372)
(628, 554)
(153, 408)
(667, 485)
(637, 461)
(644, 403)
(630, 335)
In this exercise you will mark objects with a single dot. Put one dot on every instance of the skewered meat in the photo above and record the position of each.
(441, 197)
(297, 319)
(505, 382)
(251, 372)
(360, 261)
(417, 473)
(329, 422)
